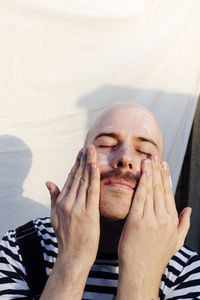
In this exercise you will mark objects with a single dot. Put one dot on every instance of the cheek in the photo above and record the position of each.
(103, 163)
(102, 159)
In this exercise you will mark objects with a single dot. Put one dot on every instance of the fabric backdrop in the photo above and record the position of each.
(63, 61)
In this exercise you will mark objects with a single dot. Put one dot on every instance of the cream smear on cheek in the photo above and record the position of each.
(102, 159)
(127, 147)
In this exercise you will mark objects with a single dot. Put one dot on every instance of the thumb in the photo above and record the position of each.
(184, 223)
(54, 192)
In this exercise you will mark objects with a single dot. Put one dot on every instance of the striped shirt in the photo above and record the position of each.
(181, 279)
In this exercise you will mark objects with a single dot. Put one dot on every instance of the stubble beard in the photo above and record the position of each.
(115, 204)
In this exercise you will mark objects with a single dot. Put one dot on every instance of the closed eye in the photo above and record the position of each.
(148, 155)
(106, 140)
(106, 146)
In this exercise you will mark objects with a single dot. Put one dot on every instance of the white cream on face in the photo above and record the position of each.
(127, 147)
(147, 122)
(109, 127)
(102, 159)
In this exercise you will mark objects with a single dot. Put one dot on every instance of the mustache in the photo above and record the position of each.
(117, 173)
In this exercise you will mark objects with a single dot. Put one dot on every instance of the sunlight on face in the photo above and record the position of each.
(124, 136)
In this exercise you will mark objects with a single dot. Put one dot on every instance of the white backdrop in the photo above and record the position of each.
(62, 62)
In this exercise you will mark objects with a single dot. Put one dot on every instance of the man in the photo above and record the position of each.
(115, 221)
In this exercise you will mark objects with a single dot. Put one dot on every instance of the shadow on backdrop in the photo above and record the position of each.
(108, 95)
(15, 163)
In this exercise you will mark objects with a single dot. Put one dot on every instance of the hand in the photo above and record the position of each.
(152, 233)
(75, 212)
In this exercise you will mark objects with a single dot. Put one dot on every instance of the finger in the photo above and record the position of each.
(93, 194)
(137, 207)
(149, 203)
(169, 197)
(71, 176)
(54, 192)
(84, 182)
(77, 181)
(184, 224)
(158, 189)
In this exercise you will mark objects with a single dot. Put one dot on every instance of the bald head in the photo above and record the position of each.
(126, 116)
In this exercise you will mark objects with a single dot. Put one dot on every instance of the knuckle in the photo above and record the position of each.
(137, 224)
(83, 181)
(163, 221)
(141, 198)
(65, 207)
(149, 191)
(168, 190)
(158, 187)
(92, 192)
(77, 213)
(77, 176)
(152, 226)
(174, 220)
(71, 176)
(90, 218)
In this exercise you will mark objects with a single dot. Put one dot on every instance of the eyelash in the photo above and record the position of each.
(106, 146)
(145, 153)
(114, 146)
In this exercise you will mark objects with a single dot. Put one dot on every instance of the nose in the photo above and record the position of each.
(124, 159)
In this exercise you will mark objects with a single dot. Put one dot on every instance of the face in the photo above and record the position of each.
(123, 138)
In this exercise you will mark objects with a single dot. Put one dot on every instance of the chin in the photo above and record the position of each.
(113, 215)
(115, 205)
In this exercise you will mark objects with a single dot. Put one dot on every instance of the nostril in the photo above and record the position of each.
(119, 164)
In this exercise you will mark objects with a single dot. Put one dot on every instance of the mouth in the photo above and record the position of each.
(120, 183)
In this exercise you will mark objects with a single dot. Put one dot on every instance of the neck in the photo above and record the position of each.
(110, 235)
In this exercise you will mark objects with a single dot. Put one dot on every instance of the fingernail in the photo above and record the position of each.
(164, 165)
(190, 211)
(90, 152)
(81, 153)
(155, 158)
(47, 185)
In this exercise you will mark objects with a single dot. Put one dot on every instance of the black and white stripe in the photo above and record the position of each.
(181, 279)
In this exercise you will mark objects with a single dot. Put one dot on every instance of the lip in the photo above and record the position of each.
(120, 183)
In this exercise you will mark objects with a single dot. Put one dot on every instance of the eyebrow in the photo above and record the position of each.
(117, 136)
(109, 134)
(147, 140)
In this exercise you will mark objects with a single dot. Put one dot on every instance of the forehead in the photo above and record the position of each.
(127, 122)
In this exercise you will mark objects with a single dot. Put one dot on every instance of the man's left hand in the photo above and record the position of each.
(152, 234)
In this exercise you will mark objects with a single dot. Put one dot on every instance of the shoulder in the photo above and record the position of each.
(43, 226)
(12, 268)
(48, 242)
(182, 275)
(9, 247)
(46, 233)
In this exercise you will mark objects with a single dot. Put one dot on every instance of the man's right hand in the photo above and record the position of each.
(75, 219)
